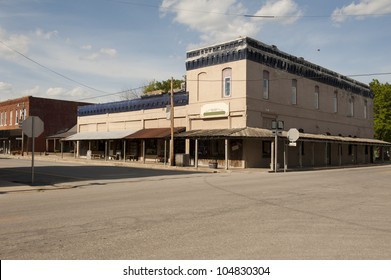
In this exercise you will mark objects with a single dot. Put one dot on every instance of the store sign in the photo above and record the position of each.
(214, 110)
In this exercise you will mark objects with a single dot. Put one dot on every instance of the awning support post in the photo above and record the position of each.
(165, 151)
(143, 150)
(124, 155)
(196, 154)
(301, 154)
(106, 150)
(226, 153)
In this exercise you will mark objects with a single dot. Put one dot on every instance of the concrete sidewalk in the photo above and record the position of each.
(16, 187)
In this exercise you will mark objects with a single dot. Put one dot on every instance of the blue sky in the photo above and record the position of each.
(80, 50)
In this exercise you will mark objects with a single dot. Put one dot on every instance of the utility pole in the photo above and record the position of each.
(172, 124)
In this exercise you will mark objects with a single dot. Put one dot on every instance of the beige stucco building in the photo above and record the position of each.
(234, 92)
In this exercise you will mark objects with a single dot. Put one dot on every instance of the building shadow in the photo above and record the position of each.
(53, 175)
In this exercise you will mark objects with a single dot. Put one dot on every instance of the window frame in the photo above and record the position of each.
(265, 85)
(227, 86)
(316, 97)
(294, 92)
(335, 102)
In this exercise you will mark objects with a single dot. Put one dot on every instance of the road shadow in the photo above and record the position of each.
(52, 175)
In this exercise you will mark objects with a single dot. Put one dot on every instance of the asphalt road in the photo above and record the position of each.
(329, 214)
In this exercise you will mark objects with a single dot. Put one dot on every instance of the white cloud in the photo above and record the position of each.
(46, 35)
(101, 54)
(5, 86)
(109, 52)
(53, 92)
(361, 9)
(13, 41)
(78, 92)
(32, 91)
(86, 47)
(285, 11)
(220, 20)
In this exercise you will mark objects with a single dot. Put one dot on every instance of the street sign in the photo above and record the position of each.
(33, 126)
(293, 134)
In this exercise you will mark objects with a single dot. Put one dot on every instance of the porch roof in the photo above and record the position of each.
(163, 132)
(64, 134)
(100, 135)
(246, 132)
(252, 132)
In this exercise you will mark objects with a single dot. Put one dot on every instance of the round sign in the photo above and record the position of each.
(293, 134)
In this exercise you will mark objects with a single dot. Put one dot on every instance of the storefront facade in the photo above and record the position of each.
(234, 92)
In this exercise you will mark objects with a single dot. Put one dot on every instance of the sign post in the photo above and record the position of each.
(277, 128)
(292, 135)
(33, 127)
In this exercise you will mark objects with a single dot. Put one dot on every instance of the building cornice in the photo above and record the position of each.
(271, 56)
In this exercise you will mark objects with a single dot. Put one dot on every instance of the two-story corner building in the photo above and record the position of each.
(248, 84)
(57, 115)
(236, 90)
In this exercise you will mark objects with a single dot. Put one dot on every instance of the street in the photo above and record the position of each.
(172, 214)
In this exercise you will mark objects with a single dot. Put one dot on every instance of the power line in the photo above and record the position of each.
(114, 93)
(369, 74)
(51, 70)
(243, 15)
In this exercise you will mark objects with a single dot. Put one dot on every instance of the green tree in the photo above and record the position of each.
(382, 110)
(165, 86)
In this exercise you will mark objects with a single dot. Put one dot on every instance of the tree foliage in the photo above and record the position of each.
(164, 86)
(382, 110)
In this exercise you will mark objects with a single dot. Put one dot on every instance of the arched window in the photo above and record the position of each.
(294, 92)
(335, 102)
(201, 85)
(265, 84)
(351, 106)
(365, 109)
(227, 82)
(316, 97)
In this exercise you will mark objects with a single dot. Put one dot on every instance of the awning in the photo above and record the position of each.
(341, 139)
(64, 134)
(252, 132)
(154, 133)
(100, 135)
(246, 132)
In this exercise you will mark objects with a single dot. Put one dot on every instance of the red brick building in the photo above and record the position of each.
(57, 115)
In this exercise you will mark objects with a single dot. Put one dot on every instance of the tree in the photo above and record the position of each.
(382, 110)
(130, 94)
(164, 86)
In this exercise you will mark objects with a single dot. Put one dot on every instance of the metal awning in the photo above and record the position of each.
(64, 134)
(164, 132)
(246, 132)
(252, 132)
(340, 139)
(100, 135)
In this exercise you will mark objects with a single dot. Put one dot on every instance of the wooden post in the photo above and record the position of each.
(172, 124)
(196, 154)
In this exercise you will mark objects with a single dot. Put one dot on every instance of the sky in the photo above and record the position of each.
(92, 50)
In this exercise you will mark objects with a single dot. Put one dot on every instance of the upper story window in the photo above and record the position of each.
(16, 117)
(265, 84)
(351, 106)
(11, 115)
(227, 82)
(294, 92)
(316, 97)
(201, 84)
(365, 109)
(335, 102)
